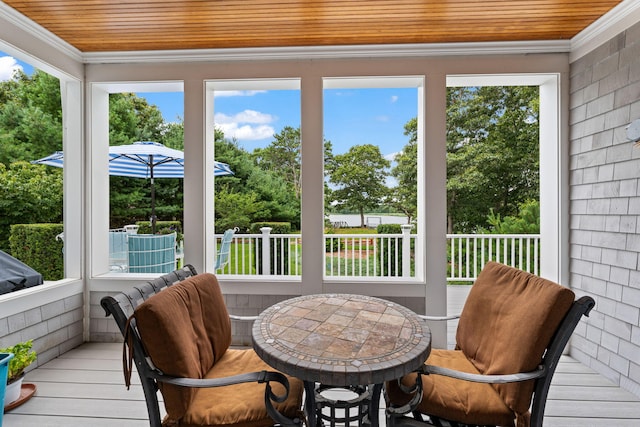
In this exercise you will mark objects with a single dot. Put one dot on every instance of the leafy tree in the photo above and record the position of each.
(279, 203)
(283, 156)
(404, 196)
(131, 118)
(172, 134)
(359, 176)
(28, 194)
(235, 209)
(30, 117)
(492, 153)
(273, 196)
(527, 221)
(329, 165)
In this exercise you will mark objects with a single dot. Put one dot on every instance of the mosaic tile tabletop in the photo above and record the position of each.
(341, 339)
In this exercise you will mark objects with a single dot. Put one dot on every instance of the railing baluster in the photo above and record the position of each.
(381, 255)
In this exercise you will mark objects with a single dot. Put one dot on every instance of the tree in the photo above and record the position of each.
(359, 176)
(235, 209)
(30, 117)
(28, 194)
(131, 118)
(270, 196)
(527, 221)
(404, 196)
(492, 153)
(283, 156)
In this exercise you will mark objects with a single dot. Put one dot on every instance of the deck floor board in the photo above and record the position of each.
(85, 387)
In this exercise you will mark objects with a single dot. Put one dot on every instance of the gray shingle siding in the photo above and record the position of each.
(605, 206)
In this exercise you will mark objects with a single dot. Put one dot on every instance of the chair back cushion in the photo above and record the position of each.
(507, 323)
(185, 329)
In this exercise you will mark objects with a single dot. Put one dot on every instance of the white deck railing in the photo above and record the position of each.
(379, 255)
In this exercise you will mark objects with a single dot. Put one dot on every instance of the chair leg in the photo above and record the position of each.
(151, 398)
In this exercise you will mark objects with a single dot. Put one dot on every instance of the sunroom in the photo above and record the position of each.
(589, 87)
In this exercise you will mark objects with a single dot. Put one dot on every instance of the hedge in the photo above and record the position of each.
(36, 246)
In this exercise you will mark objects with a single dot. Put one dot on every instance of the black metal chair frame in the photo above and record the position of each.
(122, 305)
(397, 415)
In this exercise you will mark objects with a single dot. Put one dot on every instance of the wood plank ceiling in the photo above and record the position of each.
(122, 25)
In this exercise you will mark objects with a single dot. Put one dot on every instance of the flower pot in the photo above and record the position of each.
(4, 362)
(12, 393)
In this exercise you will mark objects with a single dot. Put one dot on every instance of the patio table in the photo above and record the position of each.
(348, 341)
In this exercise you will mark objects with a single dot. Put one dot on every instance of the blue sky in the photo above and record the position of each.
(351, 116)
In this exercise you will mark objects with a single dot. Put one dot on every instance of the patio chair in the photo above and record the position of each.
(222, 257)
(511, 334)
(177, 331)
(118, 250)
(151, 253)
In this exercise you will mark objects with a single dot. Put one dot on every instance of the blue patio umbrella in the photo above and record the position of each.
(142, 159)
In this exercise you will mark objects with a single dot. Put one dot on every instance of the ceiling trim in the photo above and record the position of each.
(330, 52)
(609, 25)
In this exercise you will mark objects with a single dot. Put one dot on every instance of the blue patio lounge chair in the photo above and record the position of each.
(222, 258)
(118, 249)
(149, 253)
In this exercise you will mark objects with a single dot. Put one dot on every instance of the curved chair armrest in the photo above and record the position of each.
(251, 377)
(491, 379)
(416, 389)
(439, 318)
(243, 318)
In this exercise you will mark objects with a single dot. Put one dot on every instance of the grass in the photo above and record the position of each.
(351, 231)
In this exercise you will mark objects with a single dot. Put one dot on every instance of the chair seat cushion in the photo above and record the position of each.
(453, 399)
(240, 404)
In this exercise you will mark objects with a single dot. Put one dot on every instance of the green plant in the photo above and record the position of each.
(23, 356)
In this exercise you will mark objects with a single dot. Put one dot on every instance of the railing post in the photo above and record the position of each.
(406, 250)
(266, 251)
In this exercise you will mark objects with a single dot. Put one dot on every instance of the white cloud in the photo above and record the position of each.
(382, 118)
(8, 66)
(392, 156)
(245, 125)
(246, 132)
(394, 99)
(228, 93)
(251, 116)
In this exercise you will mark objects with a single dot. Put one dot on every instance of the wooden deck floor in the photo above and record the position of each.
(85, 387)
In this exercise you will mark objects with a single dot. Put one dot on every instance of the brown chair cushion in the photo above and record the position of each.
(453, 399)
(241, 404)
(185, 330)
(507, 323)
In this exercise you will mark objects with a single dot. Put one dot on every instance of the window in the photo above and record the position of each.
(373, 152)
(254, 128)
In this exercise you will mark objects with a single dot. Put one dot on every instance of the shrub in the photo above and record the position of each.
(36, 246)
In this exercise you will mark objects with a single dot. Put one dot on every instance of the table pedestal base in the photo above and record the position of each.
(347, 406)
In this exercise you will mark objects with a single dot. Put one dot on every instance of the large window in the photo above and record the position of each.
(373, 147)
(33, 128)
(254, 128)
(503, 175)
(493, 185)
(138, 131)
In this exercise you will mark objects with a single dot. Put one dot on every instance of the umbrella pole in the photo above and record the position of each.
(153, 201)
